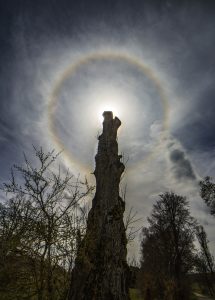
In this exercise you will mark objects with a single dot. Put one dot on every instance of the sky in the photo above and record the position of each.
(62, 63)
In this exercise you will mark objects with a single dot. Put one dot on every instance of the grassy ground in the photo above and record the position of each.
(135, 295)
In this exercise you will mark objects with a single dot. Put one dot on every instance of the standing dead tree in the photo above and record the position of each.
(101, 270)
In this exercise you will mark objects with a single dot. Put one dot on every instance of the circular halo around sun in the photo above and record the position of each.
(73, 69)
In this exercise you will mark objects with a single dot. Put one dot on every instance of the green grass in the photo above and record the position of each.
(193, 297)
(135, 295)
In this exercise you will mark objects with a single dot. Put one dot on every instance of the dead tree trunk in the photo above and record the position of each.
(101, 271)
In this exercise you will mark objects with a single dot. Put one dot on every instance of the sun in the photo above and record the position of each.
(108, 99)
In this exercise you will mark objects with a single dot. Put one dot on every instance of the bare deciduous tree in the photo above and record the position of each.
(44, 220)
(167, 248)
(205, 261)
(207, 193)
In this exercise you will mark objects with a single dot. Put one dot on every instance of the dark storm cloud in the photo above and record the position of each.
(182, 167)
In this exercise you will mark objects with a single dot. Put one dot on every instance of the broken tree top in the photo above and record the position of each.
(110, 127)
(108, 115)
(107, 158)
(108, 120)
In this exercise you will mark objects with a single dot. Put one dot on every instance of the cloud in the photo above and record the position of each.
(182, 167)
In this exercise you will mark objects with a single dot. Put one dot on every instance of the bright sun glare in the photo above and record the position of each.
(108, 100)
(108, 107)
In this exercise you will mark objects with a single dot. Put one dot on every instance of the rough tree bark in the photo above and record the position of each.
(101, 271)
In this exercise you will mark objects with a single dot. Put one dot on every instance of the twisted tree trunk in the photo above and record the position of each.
(101, 271)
